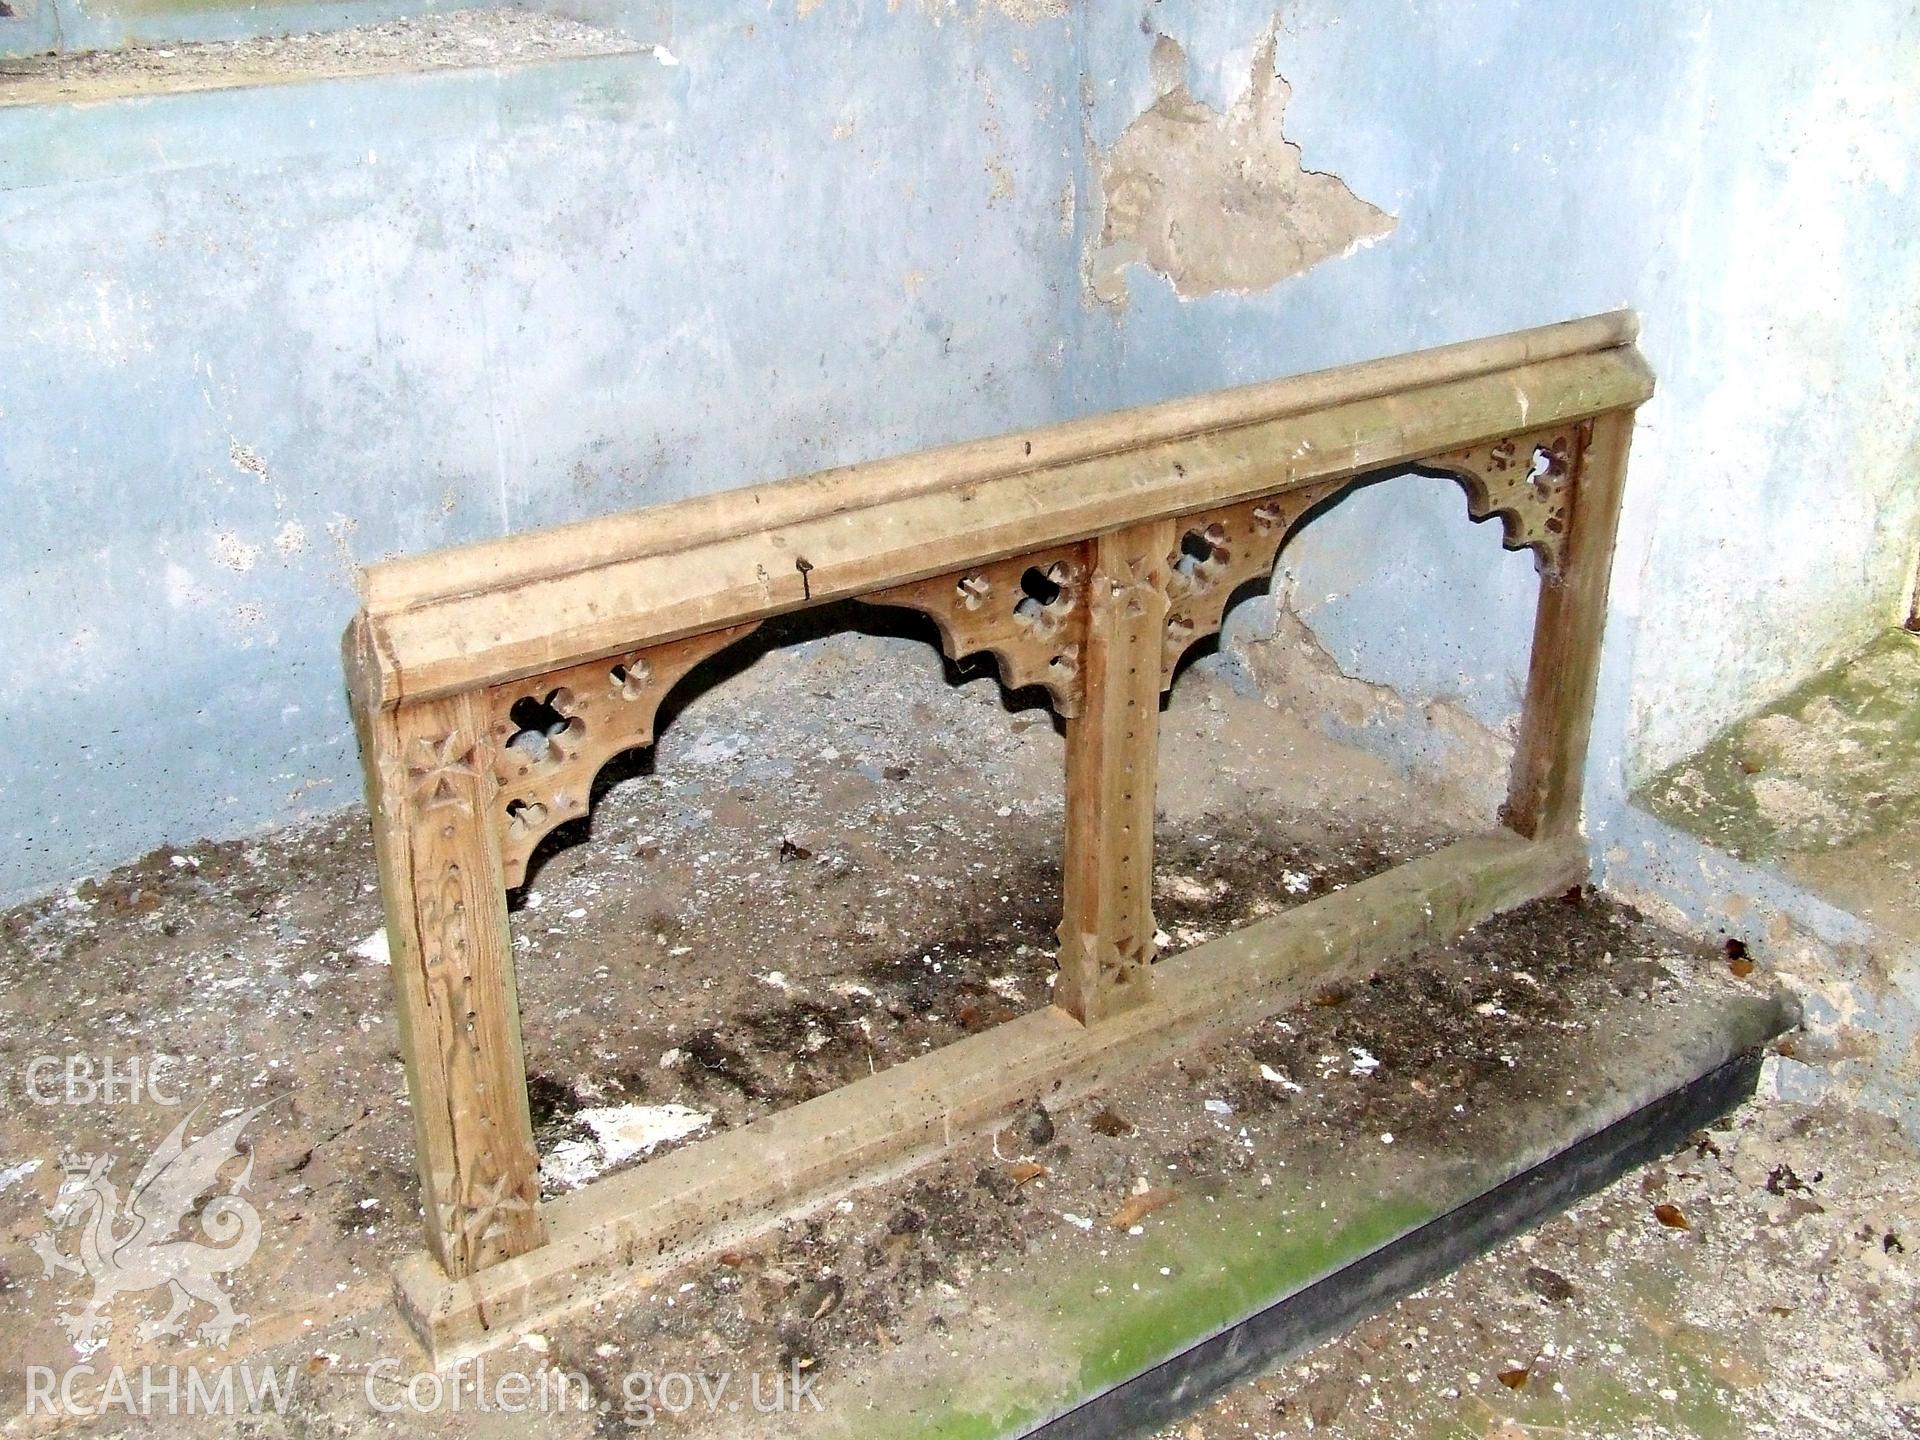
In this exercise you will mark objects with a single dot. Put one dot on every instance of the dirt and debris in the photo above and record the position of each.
(683, 972)
(1768, 1313)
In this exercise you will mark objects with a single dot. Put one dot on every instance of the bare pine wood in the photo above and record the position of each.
(1549, 764)
(611, 602)
(1107, 929)
(490, 685)
(403, 583)
(1528, 482)
(1217, 552)
(631, 1227)
(429, 790)
(1028, 613)
(583, 717)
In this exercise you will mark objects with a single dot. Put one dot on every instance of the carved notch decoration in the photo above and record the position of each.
(1216, 553)
(1130, 559)
(448, 954)
(551, 734)
(1528, 481)
(1029, 613)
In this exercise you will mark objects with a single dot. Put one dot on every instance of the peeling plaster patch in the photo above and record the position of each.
(232, 553)
(1218, 201)
(291, 539)
(248, 459)
(1002, 180)
(804, 8)
(1030, 12)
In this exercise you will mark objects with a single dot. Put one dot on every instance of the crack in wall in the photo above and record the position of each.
(1218, 201)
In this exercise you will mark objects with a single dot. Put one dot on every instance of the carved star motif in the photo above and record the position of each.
(437, 767)
(1139, 577)
(487, 1210)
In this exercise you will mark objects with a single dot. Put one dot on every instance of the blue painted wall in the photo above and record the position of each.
(255, 337)
(1743, 176)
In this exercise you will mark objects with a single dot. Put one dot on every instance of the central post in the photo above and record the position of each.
(1106, 928)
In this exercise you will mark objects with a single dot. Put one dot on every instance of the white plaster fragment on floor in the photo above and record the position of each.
(620, 1132)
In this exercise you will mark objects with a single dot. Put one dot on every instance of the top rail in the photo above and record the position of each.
(502, 609)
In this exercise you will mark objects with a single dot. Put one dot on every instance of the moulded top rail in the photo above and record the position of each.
(500, 610)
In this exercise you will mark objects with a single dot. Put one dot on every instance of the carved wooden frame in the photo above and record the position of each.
(490, 683)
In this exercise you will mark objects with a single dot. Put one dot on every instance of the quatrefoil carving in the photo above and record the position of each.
(1028, 612)
(1528, 481)
(552, 733)
(630, 676)
(1219, 551)
(550, 729)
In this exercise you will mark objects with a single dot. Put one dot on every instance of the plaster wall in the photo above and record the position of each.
(254, 337)
(1742, 176)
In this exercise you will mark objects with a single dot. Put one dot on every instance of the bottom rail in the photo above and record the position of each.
(626, 1228)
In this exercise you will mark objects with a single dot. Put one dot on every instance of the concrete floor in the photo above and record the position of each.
(841, 860)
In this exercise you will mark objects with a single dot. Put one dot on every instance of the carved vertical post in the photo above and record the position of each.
(1543, 795)
(430, 792)
(1106, 932)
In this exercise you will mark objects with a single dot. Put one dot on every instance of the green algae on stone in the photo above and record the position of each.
(1834, 763)
(1251, 1256)
(1225, 1259)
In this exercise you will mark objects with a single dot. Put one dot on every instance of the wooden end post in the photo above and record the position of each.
(1107, 928)
(1543, 795)
(428, 790)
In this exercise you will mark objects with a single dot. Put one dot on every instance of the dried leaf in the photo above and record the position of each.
(1026, 1170)
(819, 1298)
(1549, 1284)
(1138, 1207)
(1516, 1378)
(1672, 1217)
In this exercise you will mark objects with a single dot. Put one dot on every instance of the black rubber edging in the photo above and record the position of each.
(1176, 1387)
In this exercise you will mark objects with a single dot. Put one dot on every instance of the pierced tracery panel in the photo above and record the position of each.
(551, 734)
(1528, 481)
(1028, 612)
(1219, 551)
